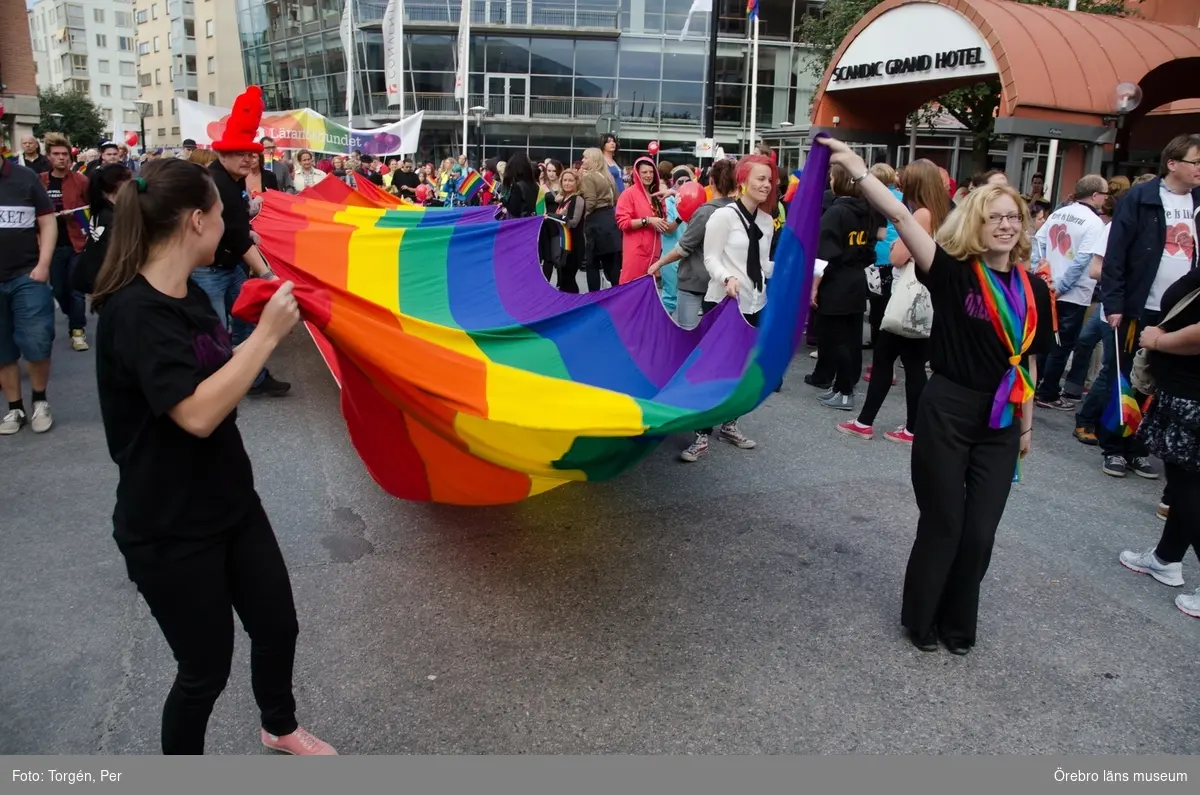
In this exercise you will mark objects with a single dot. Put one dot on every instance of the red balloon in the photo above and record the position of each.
(652, 147)
(131, 139)
(422, 193)
(688, 199)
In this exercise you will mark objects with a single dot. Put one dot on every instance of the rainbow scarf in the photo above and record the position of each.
(1013, 313)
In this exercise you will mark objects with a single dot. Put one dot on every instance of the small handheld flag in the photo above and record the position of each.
(1122, 415)
(751, 9)
(470, 186)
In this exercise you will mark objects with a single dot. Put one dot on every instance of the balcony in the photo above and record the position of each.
(528, 15)
(178, 9)
(185, 82)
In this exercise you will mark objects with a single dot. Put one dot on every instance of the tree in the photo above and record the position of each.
(81, 121)
(972, 106)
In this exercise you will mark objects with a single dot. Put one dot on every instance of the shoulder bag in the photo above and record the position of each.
(1141, 377)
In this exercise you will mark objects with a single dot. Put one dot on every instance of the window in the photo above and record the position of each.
(131, 117)
(123, 18)
(162, 132)
(144, 79)
(158, 77)
(171, 73)
(101, 39)
(129, 92)
(160, 107)
(174, 131)
(170, 39)
(79, 62)
(189, 28)
(141, 17)
(156, 44)
(102, 66)
(154, 11)
(190, 64)
(194, 96)
(105, 90)
(174, 106)
(212, 65)
(106, 114)
(127, 68)
(212, 97)
(98, 15)
(143, 48)
(208, 28)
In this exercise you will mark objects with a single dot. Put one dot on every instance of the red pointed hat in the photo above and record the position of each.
(242, 127)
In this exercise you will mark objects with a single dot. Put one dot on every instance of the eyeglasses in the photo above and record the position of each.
(1189, 162)
(1012, 218)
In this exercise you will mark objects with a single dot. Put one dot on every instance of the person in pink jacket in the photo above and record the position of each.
(642, 218)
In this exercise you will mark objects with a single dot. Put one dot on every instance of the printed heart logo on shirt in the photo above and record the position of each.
(1180, 241)
(1059, 238)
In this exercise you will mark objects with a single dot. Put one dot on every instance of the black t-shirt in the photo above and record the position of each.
(847, 240)
(54, 191)
(235, 212)
(153, 351)
(405, 179)
(1179, 375)
(965, 346)
(22, 201)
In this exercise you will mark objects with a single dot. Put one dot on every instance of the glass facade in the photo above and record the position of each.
(546, 70)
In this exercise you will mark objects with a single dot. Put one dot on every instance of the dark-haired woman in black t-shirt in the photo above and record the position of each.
(195, 538)
(990, 320)
(1171, 430)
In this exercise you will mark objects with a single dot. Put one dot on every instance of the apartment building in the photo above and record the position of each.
(88, 46)
(19, 108)
(186, 49)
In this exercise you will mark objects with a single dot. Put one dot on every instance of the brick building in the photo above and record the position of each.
(18, 81)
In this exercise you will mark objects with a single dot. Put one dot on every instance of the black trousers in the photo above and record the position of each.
(962, 472)
(609, 265)
(1183, 523)
(193, 592)
(839, 351)
(878, 303)
(914, 353)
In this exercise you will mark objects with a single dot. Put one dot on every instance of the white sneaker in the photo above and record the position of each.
(79, 340)
(1148, 563)
(42, 418)
(12, 422)
(1189, 603)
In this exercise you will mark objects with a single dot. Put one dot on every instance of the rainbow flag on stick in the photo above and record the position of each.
(1123, 414)
(470, 186)
(751, 9)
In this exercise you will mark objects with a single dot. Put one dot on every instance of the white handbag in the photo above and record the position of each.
(909, 311)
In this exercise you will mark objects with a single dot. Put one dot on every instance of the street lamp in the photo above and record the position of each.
(57, 118)
(479, 111)
(143, 109)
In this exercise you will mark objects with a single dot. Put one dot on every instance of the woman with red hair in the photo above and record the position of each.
(641, 216)
(737, 256)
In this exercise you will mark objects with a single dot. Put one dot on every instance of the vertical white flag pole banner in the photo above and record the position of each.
(393, 52)
(698, 6)
(462, 82)
(347, 32)
(753, 88)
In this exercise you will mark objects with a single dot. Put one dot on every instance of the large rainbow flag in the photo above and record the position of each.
(467, 379)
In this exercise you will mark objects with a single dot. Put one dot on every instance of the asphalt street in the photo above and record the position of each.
(748, 603)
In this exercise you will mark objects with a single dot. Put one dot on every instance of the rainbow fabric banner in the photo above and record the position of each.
(304, 129)
(467, 379)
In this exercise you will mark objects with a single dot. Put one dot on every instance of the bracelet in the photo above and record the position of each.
(860, 177)
(1028, 431)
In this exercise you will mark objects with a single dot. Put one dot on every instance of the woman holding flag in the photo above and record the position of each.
(1171, 430)
(991, 319)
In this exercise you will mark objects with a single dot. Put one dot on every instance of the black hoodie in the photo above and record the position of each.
(849, 231)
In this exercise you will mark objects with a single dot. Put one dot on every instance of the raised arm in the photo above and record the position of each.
(919, 242)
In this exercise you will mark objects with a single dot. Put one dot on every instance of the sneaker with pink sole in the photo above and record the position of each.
(857, 430)
(899, 436)
(298, 743)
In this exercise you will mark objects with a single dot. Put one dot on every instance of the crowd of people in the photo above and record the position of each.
(986, 297)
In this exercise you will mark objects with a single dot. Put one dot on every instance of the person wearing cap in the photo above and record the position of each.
(189, 146)
(222, 281)
(109, 153)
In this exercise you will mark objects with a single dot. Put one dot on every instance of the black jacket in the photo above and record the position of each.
(1135, 249)
(236, 214)
(83, 277)
(849, 231)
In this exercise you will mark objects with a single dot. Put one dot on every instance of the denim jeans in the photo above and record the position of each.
(222, 285)
(26, 320)
(1112, 443)
(668, 292)
(688, 307)
(1094, 330)
(1070, 322)
(72, 302)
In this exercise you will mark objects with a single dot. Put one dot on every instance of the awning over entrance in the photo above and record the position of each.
(1058, 69)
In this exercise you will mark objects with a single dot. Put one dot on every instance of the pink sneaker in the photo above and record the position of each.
(298, 743)
(852, 428)
(899, 436)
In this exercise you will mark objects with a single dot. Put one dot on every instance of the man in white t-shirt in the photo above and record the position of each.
(1151, 244)
(1064, 247)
